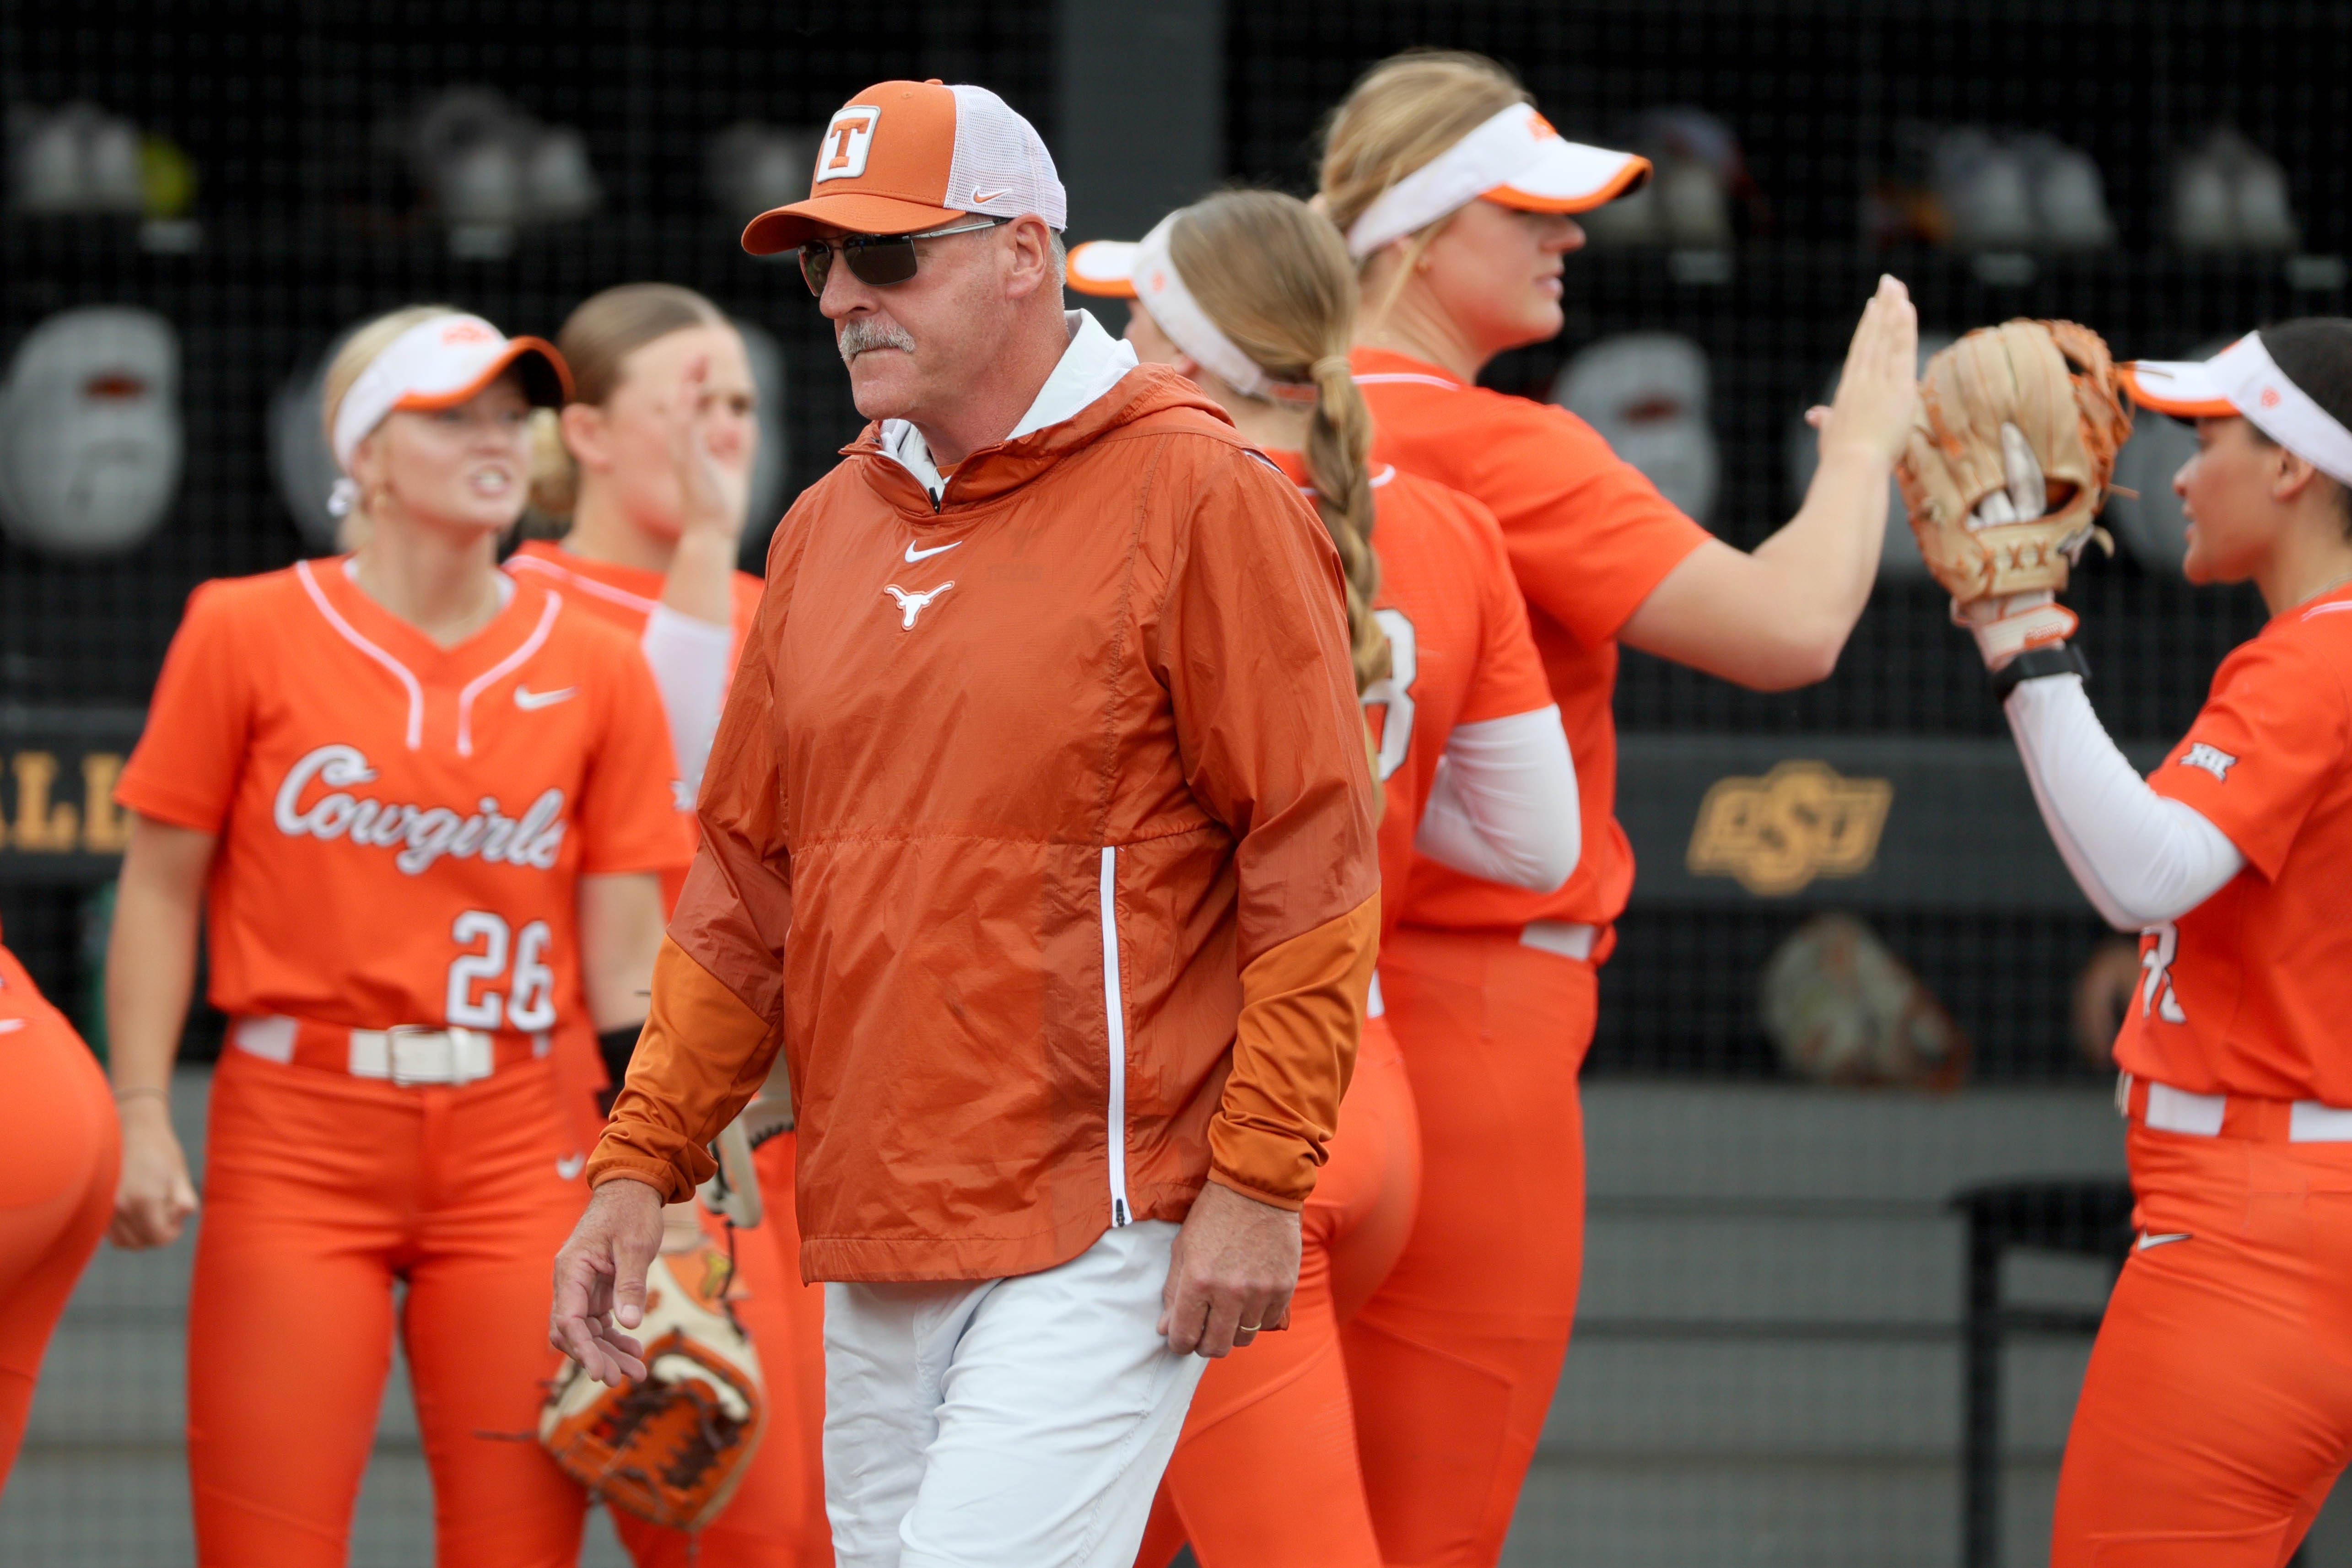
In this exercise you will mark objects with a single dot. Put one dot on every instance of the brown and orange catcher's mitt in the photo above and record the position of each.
(2009, 459)
(671, 1449)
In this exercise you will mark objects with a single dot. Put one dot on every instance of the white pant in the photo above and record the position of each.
(1019, 1423)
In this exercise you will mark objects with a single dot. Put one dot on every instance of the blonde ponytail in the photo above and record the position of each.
(1274, 277)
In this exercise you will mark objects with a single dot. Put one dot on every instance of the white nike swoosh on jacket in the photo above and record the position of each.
(914, 555)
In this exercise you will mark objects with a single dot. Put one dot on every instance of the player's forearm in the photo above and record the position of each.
(700, 583)
(1504, 803)
(2140, 859)
(688, 657)
(1821, 563)
(151, 953)
(620, 929)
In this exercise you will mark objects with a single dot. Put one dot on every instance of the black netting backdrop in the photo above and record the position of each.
(310, 216)
(1821, 98)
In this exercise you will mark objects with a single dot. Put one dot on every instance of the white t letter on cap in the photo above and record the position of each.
(847, 139)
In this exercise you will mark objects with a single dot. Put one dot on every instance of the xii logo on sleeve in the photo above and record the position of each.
(847, 140)
(2211, 759)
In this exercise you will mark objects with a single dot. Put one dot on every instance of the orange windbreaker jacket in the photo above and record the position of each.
(1039, 834)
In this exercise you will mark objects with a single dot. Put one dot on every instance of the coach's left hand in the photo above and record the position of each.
(1231, 1274)
(600, 1281)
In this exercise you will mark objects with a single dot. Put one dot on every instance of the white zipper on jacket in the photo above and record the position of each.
(1115, 1009)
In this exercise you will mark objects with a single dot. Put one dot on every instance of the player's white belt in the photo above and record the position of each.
(1568, 938)
(2170, 1110)
(407, 1056)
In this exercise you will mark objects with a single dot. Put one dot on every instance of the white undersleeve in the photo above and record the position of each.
(1504, 803)
(689, 658)
(2141, 858)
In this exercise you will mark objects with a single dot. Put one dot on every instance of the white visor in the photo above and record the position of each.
(2244, 378)
(1140, 270)
(441, 363)
(1515, 159)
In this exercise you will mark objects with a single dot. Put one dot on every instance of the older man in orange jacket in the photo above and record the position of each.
(1038, 836)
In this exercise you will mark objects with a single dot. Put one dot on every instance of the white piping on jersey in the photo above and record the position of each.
(621, 596)
(1115, 1011)
(1405, 378)
(1379, 479)
(2328, 609)
(506, 666)
(351, 634)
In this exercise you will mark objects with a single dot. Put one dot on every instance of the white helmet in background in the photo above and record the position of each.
(766, 503)
(298, 459)
(90, 430)
(1646, 393)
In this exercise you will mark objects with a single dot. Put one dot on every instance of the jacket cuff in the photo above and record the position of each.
(1292, 1201)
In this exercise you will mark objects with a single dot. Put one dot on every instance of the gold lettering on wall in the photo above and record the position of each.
(106, 830)
(41, 827)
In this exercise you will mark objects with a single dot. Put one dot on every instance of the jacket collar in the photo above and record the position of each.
(1090, 367)
(1097, 386)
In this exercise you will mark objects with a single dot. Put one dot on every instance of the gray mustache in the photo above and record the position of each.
(871, 332)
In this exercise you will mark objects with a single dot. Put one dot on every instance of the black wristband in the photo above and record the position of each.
(617, 1046)
(2063, 659)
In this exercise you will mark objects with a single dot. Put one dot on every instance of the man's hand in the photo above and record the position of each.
(600, 1281)
(1231, 1274)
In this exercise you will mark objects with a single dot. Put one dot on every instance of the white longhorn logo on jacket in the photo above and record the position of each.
(422, 834)
(913, 604)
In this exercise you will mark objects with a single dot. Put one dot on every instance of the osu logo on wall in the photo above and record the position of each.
(1777, 833)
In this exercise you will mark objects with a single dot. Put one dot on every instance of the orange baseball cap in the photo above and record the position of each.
(905, 156)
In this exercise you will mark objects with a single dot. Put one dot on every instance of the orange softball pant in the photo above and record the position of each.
(57, 1186)
(797, 1358)
(323, 1192)
(1265, 1473)
(1453, 1361)
(2217, 1411)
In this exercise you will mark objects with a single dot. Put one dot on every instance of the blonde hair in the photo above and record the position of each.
(1400, 115)
(1275, 278)
(362, 349)
(596, 341)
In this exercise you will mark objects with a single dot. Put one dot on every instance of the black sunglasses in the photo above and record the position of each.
(879, 259)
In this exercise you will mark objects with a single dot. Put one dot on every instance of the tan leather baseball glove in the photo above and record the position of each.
(672, 1448)
(2006, 469)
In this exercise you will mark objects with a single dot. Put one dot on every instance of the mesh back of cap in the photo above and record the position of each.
(1000, 165)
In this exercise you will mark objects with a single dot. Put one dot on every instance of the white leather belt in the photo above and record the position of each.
(2170, 1110)
(1569, 939)
(407, 1056)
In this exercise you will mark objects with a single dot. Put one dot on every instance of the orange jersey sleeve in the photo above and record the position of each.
(2247, 992)
(184, 768)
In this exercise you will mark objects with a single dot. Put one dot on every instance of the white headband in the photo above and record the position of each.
(1516, 157)
(438, 363)
(1160, 289)
(2254, 385)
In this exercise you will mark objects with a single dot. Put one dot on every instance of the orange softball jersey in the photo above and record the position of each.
(2247, 993)
(1459, 649)
(401, 825)
(1587, 539)
(624, 595)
